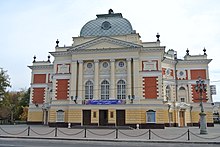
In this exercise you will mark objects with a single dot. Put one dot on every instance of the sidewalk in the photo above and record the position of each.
(169, 134)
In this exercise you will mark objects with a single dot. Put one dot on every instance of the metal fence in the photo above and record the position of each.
(108, 133)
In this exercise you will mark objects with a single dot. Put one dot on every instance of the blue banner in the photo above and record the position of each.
(104, 102)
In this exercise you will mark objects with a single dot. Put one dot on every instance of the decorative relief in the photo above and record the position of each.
(104, 67)
(121, 66)
(89, 68)
(63, 68)
(149, 65)
(181, 74)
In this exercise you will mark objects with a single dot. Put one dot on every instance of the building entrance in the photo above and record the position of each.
(120, 117)
(182, 118)
(103, 117)
(86, 117)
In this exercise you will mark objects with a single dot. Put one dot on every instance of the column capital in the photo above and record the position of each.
(112, 60)
(96, 60)
(128, 59)
(80, 61)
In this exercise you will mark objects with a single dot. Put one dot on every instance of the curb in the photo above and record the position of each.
(110, 140)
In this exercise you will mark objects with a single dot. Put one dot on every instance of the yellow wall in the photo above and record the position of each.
(134, 116)
(36, 116)
(95, 119)
(161, 116)
(112, 120)
(52, 115)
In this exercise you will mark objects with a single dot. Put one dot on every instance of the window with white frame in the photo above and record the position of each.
(182, 99)
(89, 90)
(105, 89)
(60, 116)
(151, 116)
(168, 93)
(121, 89)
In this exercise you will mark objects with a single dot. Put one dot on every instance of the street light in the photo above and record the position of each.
(200, 88)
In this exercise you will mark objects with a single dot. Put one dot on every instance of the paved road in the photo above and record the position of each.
(13, 142)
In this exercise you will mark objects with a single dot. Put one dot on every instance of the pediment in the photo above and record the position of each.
(104, 42)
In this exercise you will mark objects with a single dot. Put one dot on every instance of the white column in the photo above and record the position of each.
(128, 76)
(73, 79)
(80, 80)
(136, 87)
(112, 82)
(96, 80)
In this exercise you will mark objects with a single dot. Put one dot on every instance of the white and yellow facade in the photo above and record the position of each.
(108, 76)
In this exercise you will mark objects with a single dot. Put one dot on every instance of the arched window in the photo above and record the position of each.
(182, 88)
(89, 90)
(105, 89)
(121, 89)
(60, 116)
(182, 94)
(168, 93)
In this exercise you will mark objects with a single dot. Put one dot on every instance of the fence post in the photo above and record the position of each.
(28, 131)
(55, 132)
(149, 134)
(116, 133)
(85, 132)
(188, 134)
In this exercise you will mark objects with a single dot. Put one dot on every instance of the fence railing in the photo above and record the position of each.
(148, 134)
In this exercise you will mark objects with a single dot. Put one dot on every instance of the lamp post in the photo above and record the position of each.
(200, 88)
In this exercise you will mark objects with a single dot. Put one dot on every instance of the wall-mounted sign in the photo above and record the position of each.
(104, 102)
(213, 89)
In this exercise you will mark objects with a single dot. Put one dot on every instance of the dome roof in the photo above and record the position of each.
(110, 24)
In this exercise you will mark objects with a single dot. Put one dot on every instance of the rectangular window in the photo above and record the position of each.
(112, 114)
(182, 99)
(94, 114)
(151, 116)
(60, 116)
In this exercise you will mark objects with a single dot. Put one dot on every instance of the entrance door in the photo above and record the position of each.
(86, 117)
(120, 117)
(103, 117)
(182, 118)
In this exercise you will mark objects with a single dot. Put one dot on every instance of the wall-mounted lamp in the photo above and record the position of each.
(36, 104)
(131, 98)
(74, 99)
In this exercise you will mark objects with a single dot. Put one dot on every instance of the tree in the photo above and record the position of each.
(4, 81)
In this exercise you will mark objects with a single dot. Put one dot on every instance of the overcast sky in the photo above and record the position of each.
(31, 27)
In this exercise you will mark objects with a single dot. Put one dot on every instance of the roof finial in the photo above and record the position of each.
(34, 59)
(187, 52)
(110, 11)
(57, 42)
(48, 60)
(204, 50)
(158, 37)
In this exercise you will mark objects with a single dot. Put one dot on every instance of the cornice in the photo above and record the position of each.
(154, 48)
(105, 39)
(203, 61)
(169, 61)
(41, 67)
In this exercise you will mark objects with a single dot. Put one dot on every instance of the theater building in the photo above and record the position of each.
(110, 77)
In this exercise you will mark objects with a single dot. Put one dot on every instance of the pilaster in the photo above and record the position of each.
(112, 82)
(80, 80)
(128, 76)
(96, 80)
(73, 79)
